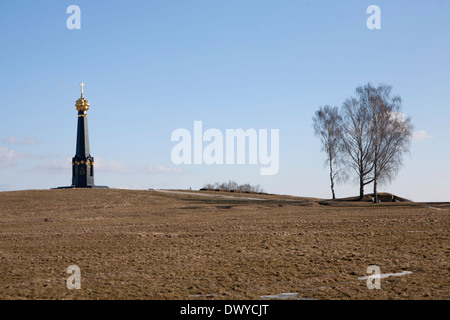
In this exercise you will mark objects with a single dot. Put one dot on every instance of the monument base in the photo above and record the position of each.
(88, 187)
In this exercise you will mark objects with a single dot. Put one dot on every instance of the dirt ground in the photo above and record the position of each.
(151, 244)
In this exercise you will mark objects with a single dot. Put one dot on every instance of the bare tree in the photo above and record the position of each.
(357, 139)
(391, 134)
(375, 135)
(327, 126)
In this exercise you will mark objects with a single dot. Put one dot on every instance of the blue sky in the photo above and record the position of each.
(151, 67)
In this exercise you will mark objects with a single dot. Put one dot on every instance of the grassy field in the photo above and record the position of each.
(164, 245)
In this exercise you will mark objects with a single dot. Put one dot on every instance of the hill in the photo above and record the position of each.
(178, 244)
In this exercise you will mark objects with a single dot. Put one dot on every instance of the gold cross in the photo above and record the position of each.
(82, 87)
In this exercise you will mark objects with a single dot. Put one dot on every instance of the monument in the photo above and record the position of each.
(82, 162)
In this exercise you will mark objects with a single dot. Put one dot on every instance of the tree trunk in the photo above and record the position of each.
(332, 190)
(361, 187)
(375, 170)
(375, 196)
(332, 180)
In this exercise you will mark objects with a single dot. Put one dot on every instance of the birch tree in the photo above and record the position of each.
(327, 126)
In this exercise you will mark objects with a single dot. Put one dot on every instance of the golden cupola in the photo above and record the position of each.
(82, 104)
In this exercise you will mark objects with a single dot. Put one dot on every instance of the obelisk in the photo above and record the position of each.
(83, 162)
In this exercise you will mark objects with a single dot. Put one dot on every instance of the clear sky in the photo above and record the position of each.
(151, 67)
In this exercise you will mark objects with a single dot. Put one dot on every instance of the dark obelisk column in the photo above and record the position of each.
(82, 163)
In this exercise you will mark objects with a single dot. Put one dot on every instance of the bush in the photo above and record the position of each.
(233, 186)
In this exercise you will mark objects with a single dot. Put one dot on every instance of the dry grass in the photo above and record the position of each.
(155, 245)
